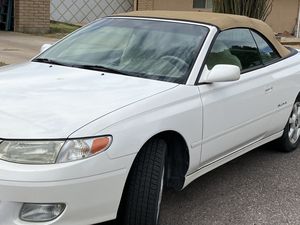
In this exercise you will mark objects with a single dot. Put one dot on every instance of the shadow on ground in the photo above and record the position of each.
(261, 187)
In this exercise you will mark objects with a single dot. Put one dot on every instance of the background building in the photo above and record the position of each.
(32, 16)
(282, 18)
(82, 12)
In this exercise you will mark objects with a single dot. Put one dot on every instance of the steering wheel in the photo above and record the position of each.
(176, 61)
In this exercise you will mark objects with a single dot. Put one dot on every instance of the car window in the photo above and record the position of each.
(158, 50)
(267, 52)
(235, 47)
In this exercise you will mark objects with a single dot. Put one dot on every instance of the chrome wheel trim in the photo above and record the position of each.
(160, 195)
(294, 124)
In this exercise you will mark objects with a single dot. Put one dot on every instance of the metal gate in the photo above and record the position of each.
(85, 11)
(6, 15)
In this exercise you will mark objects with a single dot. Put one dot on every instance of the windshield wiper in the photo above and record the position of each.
(50, 61)
(103, 69)
(88, 67)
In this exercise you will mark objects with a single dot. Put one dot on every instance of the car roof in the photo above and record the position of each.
(219, 20)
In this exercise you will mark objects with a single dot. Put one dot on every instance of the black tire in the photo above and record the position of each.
(288, 144)
(143, 192)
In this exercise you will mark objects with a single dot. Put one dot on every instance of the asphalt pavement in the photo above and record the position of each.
(261, 187)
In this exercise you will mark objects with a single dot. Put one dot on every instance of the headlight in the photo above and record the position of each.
(30, 152)
(83, 148)
(49, 152)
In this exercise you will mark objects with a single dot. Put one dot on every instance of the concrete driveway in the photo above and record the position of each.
(18, 47)
(259, 188)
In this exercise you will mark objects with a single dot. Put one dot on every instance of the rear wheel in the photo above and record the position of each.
(145, 184)
(290, 138)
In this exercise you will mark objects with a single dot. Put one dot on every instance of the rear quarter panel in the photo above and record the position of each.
(286, 87)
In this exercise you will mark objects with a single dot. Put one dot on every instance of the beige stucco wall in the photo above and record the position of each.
(282, 18)
(178, 5)
(284, 15)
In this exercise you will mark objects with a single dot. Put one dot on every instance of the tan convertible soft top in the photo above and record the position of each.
(222, 21)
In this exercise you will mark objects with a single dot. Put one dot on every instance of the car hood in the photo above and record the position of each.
(39, 101)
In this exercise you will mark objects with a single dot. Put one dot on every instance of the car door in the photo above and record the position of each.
(284, 85)
(235, 114)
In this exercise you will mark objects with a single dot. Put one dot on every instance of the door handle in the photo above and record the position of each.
(268, 90)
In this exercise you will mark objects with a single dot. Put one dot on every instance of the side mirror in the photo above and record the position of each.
(223, 73)
(45, 47)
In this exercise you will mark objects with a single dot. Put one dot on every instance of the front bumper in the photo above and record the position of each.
(89, 199)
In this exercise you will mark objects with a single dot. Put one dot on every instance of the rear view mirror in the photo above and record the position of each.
(45, 47)
(223, 73)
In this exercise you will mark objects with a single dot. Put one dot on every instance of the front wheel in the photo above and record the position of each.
(290, 138)
(145, 184)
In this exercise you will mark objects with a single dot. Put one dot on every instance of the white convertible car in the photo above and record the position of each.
(96, 126)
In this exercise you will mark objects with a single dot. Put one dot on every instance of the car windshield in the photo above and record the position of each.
(159, 50)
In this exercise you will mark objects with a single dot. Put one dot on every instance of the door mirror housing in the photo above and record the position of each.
(223, 73)
(45, 47)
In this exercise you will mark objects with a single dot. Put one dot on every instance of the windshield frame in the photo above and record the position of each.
(193, 63)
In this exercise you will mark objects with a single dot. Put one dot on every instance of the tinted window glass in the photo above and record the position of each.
(268, 54)
(203, 4)
(199, 3)
(235, 47)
